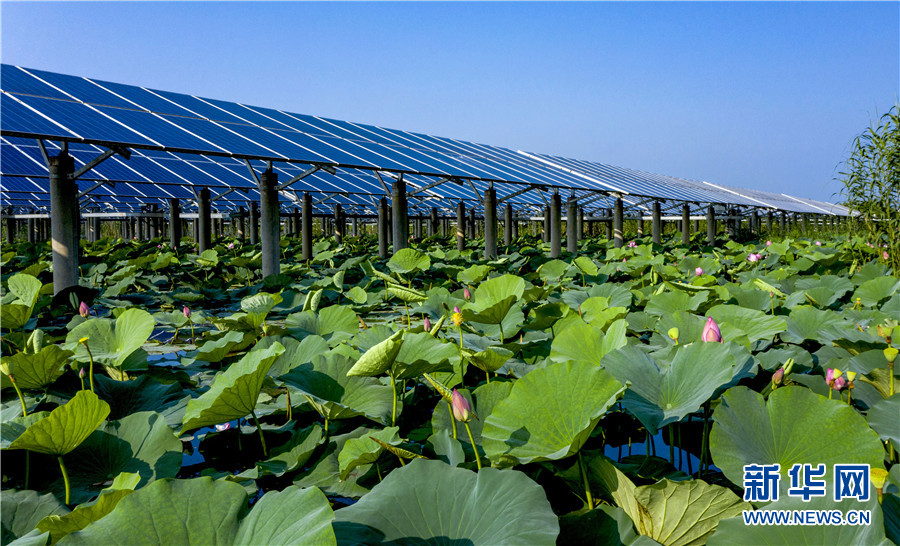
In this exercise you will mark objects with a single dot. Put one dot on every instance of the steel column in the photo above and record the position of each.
(490, 223)
(270, 223)
(63, 222)
(711, 225)
(460, 226)
(306, 230)
(572, 226)
(555, 225)
(383, 229)
(656, 226)
(685, 224)
(618, 224)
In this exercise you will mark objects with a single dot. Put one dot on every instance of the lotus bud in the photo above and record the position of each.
(81, 373)
(624, 260)
(466, 293)
(673, 333)
(223, 427)
(768, 243)
(829, 377)
(461, 407)
(818, 243)
(186, 311)
(778, 377)
(698, 271)
(885, 255)
(83, 310)
(890, 354)
(711, 331)
(426, 324)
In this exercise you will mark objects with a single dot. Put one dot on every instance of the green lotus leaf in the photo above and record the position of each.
(324, 470)
(216, 350)
(549, 413)
(585, 265)
(406, 294)
(36, 370)
(553, 271)
(204, 511)
(407, 260)
(871, 292)
(295, 352)
(234, 392)
(473, 274)
(690, 326)
(22, 510)
(26, 289)
(83, 515)
(365, 450)
(141, 394)
(546, 315)
(357, 295)
(735, 531)
(447, 449)
(489, 360)
(336, 319)
(379, 358)
(580, 342)
(806, 322)
(294, 453)
(793, 426)
(597, 312)
(325, 384)
(734, 321)
(423, 353)
(669, 302)
(603, 526)
(883, 419)
(65, 427)
(431, 502)
(111, 341)
(494, 298)
(13, 428)
(665, 393)
(140, 443)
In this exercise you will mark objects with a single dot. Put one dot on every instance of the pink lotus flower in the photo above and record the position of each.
(83, 310)
(426, 324)
(818, 243)
(223, 427)
(186, 311)
(455, 309)
(840, 383)
(466, 293)
(885, 255)
(229, 246)
(829, 376)
(753, 258)
(768, 243)
(711, 331)
(631, 244)
(698, 271)
(461, 407)
(624, 260)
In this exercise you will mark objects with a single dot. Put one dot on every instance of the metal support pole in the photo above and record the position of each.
(63, 222)
(270, 224)
(656, 226)
(579, 232)
(755, 221)
(555, 225)
(254, 223)
(242, 224)
(685, 224)
(338, 223)
(355, 223)
(174, 222)
(804, 223)
(607, 224)
(433, 224)
(400, 221)
(490, 223)
(572, 227)
(306, 230)
(507, 225)
(545, 234)
(383, 229)
(203, 219)
(460, 226)
(515, 228)
(618, 224)
(711, 225)
(32, 236)
(417, 227)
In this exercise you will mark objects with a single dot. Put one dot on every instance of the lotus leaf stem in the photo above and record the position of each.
(672, 443)
(393, 399)
(262, 439)
(474, 447)
(584, 479)
(452, 420)
(326, 426)
(191, 322)
(65, 475)
(91, 369)
(705, 437)
(12, 380)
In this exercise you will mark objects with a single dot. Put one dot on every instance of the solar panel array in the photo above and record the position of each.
(179, 143)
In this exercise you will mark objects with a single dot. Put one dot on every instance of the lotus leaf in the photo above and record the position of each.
(407, 260)
(734, 321)
(204, 511)
(112, 342)
(64, 428)
(549, 413)
(233, 393)
(22, 510)
(793, 426)
(580, 342)
(432, 502)
(36, 370)
(365, 450)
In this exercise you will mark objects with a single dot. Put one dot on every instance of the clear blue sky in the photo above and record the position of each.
(762, 95)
